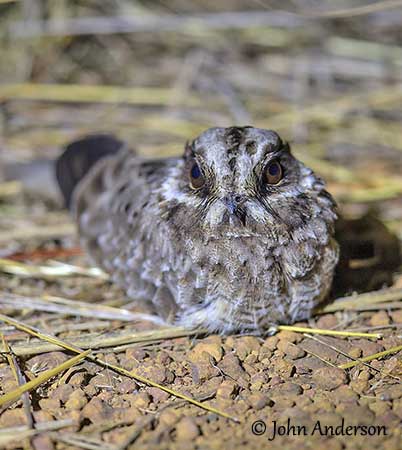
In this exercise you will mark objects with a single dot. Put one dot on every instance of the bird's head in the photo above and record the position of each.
(243, 181)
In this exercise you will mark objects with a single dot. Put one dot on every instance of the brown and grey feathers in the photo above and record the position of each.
(205, 238)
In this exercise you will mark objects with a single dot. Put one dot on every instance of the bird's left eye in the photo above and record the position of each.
(197, 179)
(273, 173)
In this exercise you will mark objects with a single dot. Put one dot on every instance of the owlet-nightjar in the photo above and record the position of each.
(235, 235)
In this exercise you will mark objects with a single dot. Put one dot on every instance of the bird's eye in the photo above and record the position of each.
(197, 179)
(273, 173)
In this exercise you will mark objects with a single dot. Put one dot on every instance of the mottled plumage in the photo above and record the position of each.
(240, 252)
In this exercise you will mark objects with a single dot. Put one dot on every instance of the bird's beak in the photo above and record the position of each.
(230, 204)
(233, 201)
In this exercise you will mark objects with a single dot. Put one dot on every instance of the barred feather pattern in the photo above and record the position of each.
(180, 250)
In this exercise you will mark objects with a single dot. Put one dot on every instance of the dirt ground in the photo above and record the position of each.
(330, 83)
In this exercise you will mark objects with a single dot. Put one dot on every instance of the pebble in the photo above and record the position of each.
(289, 336)
(322, 404)
(396, 316)
(275, 381)
(316, 348)
(270, 343)
(50, 404)
(251, 358)
(227, 389)
(9, 384)
(203, 371)
(62, 392)
(129, 414)
(187, 429)
(364, 375)
(250, 368)
(77, 400)
(230, 365)
(355, 352)
(140, 400)
(77, 379)
(169, 417)
(369, 347)
(13, 418)
(327, 321)
(264, 355)
(154, 372)
(359, 386)
(97, 411)
(291, 350)
(126, 386)
(42, 442)
(329, 377)
(391, 392)
(379, 407)
(138, 354)
(343, 394)
(355, 414)
(389, 419)
(397, 408)
(380, 318)
(163, 358)
(258, 380)
(246, 345)
(286, 389)
(259, 401)
(283, 368)
(393, 366)
(45, 361)
(204, 350)
(158, 396)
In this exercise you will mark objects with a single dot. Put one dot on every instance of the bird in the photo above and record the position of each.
(234, 235)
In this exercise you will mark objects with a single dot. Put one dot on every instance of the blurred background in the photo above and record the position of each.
(326, 75)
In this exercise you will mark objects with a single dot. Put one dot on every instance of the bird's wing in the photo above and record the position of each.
(116, 206)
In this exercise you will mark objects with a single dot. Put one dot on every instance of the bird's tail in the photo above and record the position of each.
(78, 158)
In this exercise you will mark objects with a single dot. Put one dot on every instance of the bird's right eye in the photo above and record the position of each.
(273, 173)
(197, 179)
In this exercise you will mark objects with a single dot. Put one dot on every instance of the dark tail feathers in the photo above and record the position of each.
(79, 156)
